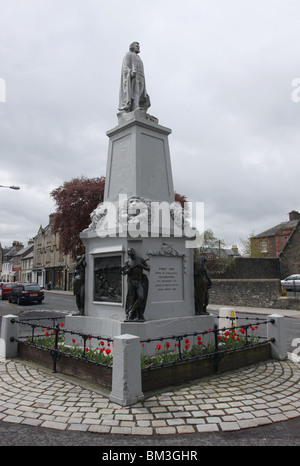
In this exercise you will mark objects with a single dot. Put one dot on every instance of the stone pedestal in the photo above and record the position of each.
(138, 161)
(138, 171)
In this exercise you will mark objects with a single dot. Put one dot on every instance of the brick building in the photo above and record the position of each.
(281, 241)
(270, 243)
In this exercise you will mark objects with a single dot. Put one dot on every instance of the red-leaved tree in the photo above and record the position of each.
(75, 201)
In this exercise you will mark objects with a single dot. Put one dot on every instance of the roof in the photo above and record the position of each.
(28, 255)
(25, 250)
(290, 225)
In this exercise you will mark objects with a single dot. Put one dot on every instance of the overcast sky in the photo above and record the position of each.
(219, 74)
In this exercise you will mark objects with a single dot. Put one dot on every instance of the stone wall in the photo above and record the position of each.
(250, 268)
(248, 292)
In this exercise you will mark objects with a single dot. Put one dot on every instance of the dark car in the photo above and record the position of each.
(6, 289)
(26, 293)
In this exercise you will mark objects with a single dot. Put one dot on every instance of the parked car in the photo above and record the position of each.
(26, 293)
(6, 289)
(291, 283)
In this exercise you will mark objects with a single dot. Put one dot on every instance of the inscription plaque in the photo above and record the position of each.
(166, 279)
(107, 279)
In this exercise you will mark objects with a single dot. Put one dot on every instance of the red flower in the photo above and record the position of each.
(167, 344)
(62, 324)
(46, 333)
(107, 351)
(199, 342)
(187, 340)
(226, 333)
(242, 330)
(102, 343)
(73, 340)
(101, 350)
(186, 347)
(158, 347)
(86, 350)
(219, 338)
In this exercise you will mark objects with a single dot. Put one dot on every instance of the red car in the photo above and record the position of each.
(6, 288)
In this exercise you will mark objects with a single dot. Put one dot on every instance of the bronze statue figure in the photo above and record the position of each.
(79, 283)
(137, 286)
(202, 283)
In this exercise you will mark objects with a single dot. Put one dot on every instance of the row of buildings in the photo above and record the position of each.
(40, 261)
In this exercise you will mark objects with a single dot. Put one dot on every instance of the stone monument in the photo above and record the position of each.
(139, 274)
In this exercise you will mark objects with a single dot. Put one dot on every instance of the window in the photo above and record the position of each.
(263, 245)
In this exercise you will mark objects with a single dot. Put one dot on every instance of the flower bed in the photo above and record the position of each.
(232, 349)
(188, 370)
(68, 365)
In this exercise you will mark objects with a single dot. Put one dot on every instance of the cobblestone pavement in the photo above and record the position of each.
(258, 395)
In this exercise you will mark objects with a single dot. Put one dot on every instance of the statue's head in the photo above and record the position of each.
(134, 47)
(131, 252)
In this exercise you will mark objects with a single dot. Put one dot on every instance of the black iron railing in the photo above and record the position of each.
(190, 346)
(52, 338)
(211, 343)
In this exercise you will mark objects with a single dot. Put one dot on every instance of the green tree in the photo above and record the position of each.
(214, 250)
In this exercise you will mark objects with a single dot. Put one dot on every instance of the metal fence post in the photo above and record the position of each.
(54, 353)
(216, 352)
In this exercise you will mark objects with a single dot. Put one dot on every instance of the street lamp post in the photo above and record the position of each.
(10, 187)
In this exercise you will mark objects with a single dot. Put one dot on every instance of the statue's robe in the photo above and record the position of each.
(133, 92)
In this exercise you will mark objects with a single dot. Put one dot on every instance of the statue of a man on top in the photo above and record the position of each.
(133, 94)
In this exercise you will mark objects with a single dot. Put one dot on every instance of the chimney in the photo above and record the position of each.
(294, 215)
